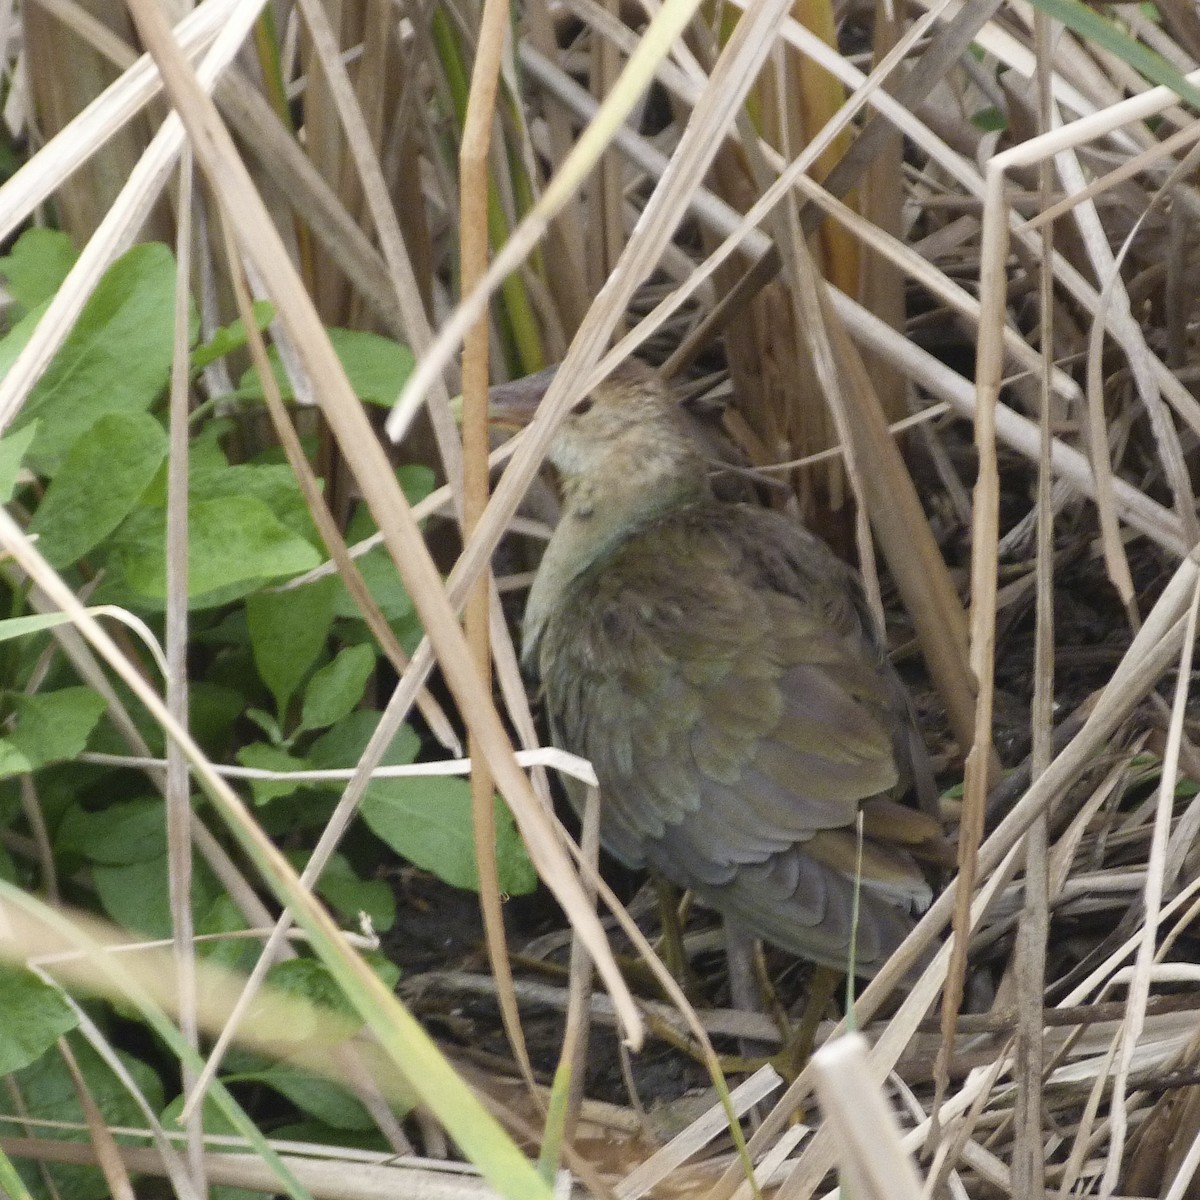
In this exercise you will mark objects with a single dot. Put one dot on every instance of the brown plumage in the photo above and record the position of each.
(717, 665)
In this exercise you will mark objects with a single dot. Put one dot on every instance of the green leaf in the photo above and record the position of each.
(232, 541)
(383, 582)
(343, 745)
(37, 265)
(12, 761)
(13, 342)
(232, 337)
(12, 453)
(224, 916)
(288, 632)
(268, 723)
(428, 821)
(335, 689)
(271, 758)
(132, 831)
(53, 726)
(330, 1104)
(206, 456)
(377, 367)
(1092, 27)
(990, 120)
(11, 1183)
(35, 1016)
(274, 485)
(416, 481)
(310, 980)
(15, 627)
(215, 1121)
(117, 358)
(136, 896)
(348, 894)
(47, 1093)
(213, 710)
(9, 872)
(378, 571)
(100, 480)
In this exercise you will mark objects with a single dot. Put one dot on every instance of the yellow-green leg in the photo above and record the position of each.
(798, 1044)
(670, 947)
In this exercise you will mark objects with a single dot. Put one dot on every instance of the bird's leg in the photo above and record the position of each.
(745, 990)
(670, 947)
(798, 1045)
(744, 996)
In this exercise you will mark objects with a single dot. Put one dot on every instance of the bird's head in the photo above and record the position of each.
(629, 423)
(627, 432)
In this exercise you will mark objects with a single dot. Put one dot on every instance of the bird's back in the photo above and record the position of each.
(720, 671)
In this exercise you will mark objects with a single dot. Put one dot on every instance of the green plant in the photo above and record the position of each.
(281, 678)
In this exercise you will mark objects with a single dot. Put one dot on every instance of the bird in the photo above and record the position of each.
(719, 667)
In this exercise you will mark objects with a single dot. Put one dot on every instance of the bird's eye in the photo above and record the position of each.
(584, 406)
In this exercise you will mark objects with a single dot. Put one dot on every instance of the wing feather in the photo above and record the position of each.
(725, 682)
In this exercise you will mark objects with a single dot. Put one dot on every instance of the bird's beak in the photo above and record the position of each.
(511, 406)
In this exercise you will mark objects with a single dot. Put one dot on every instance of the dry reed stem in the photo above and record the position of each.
(1028, 968)
(473, 248)
(327, 1179)
(178, 790)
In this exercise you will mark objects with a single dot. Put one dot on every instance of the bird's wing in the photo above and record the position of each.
(732, 712)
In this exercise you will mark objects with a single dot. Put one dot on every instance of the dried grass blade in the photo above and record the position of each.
(874, 1162)
(1029, 960)
(568, 1089)
(1017, 432)
(1139, 988)
(313, 201)
(1114, 307)
(1188, 1134)
(102, 1140)
(697, 1135)
(985, 531)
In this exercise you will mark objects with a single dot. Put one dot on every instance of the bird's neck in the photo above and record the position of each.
(597, 516)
